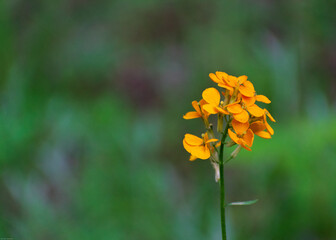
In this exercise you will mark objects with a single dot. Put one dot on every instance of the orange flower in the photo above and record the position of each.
(245, 140)
(238, 112)
(198, 147)
(251, 107)
(212, 98)
(198, 106)
(221, 79)
(259, 126)
(231, 83)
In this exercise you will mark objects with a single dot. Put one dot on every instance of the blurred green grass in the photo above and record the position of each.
(92, 98)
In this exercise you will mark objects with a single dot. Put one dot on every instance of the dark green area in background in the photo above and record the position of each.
(92, 95)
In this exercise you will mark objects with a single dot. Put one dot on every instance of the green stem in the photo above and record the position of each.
(221, 181)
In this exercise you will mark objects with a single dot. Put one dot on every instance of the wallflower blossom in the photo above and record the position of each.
(198, 113)
(198, 147)
(238, 107)
(212, 98)
(245, 139)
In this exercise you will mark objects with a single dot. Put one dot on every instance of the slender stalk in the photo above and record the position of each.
(221, 182)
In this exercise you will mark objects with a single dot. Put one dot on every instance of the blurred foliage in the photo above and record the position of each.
(92, 97)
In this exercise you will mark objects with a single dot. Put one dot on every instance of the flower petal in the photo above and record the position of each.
(249, 85)
(233, 136)
(191, 115)
(231, 80)
(246, 91)
(246, 147)
(222, 75)
(249, 101)
(211, 95)
(263, 134)
(257, 126)
(262, 98)
(270, 116)
(222, 85)
(221, 110)
(249, 137)
(268, 127)
(192, 158)
(235, 108)
(196, 107)
(193, 140)
(187, 147)
(242, 79)
(201, 152)
(211, 140)
(239, 127)
(210, 108)
(255, 110)
(214, 78)
(241, 117)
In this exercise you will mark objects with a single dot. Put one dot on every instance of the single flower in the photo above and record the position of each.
(245, 140)
(212, 98)
(198, 147)
(198, 113)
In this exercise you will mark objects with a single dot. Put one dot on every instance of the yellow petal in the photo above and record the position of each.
(270, 116)
(192, 158)
(235, 108)
(211, 95)
(221, 110)
(210, 108)
(262, 98)
(201, 152)
(191, 115)
(268, 127)
(187, 147)
(205, 137)
(196, 107)
(241, 117)
(263, 134)
(242, 79)
(255, 110)
(249, 85)
(193, 140)
(257, 126)
(249, 101)
(246, 147)
(249, 137)
(211, 140)
(214, 78)
(231, 80)
(222, 75)
(233, 136)
(246, 91)
(222, 85)
(239, 127)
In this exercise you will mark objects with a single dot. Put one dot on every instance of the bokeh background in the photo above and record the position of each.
(92, 98)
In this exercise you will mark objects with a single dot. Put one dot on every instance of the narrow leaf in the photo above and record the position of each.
(243, 203)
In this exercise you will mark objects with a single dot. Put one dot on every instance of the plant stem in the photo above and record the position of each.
(221, 182)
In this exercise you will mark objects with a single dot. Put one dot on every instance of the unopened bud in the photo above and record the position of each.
(236, 151)
(230, 144)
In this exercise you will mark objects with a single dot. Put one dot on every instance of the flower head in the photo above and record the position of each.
(238, 106)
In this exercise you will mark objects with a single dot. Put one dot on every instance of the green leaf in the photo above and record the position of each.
(243, 203)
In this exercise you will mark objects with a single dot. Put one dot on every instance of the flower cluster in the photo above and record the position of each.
(237, 106)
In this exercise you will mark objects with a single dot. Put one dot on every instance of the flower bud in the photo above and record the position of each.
(236, 151)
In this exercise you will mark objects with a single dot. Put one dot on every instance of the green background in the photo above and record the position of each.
(92, 95)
